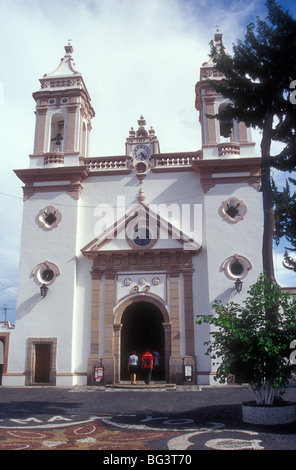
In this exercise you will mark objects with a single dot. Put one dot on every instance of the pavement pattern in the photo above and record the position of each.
(127, 419)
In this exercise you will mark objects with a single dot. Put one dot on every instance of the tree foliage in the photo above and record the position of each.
(257, 79)
(249, 344)
(285, 221)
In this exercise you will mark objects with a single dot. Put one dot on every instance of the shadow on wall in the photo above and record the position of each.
(227, 296)
(27, 306)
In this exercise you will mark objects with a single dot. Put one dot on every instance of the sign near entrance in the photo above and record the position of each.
(188, 372)
(99, 374)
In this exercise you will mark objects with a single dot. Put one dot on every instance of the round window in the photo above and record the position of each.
(233, 209)
(46, 273)
(49, 217)
(236, 266)
(141, 236)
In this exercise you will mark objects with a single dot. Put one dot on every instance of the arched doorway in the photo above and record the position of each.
(142, 327)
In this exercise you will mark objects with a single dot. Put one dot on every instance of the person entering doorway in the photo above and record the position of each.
(147, 365)
(132, 367)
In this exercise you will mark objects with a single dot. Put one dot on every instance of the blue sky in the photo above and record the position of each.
(136, 57)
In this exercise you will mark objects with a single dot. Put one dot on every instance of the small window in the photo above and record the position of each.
(141, 236)
(49, 217)
(236, 266)
(141, 230)
(46, 273)
(233, 210)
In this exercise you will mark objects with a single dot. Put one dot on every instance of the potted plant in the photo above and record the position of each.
(252, 341)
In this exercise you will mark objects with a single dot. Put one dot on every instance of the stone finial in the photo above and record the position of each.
(141, 197)
(142, 121)
(69, 49)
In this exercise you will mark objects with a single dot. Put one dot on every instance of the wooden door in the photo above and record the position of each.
(42, 363)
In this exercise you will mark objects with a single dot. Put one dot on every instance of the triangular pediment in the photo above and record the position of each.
(140, 229)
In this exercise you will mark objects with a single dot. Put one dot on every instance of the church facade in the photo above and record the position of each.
(122, 253)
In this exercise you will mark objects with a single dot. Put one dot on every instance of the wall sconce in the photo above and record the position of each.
(238, 285)
(43, 290)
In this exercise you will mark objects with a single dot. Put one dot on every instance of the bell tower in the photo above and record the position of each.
(63, 116)
(220, 138)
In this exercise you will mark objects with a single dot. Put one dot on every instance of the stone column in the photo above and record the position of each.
(117, 346)
(108, 359)
(71, 129)
(176, 365)
(94, 357)
(243, 135)
(167, 353)
(211, 123)
(41, 116)
(189, 359)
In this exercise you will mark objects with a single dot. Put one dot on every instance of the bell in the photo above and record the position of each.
(225, 127)
(58, 138)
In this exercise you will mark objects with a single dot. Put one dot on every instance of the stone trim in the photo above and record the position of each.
(120, 309)
(150, 260)
(73, 177)
(173, 263)
(210, 171)
(31, 358)
(5, 337)
(94, 359)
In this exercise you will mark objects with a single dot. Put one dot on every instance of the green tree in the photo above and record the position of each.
(285, 221)
(257, 79)
(249, 344)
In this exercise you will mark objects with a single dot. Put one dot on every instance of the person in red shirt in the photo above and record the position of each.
(147, 365)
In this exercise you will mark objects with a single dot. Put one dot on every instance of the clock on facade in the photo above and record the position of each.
(141, 152)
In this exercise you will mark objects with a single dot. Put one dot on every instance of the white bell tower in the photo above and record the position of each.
(220, 139)
(63, 116)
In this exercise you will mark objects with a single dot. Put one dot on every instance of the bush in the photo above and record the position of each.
(252, 339)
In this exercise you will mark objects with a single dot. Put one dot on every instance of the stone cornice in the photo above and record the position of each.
(68, 179)
(172, 261)
(228, 171)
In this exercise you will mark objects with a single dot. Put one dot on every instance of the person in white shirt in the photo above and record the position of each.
(132, 367)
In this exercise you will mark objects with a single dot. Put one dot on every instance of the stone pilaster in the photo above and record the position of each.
(108, 358)
(189, 359)
(176, 363)
(71, 128)
(94, 357)
(41, 116)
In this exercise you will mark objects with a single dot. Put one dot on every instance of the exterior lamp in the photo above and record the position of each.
(238, 285)
(43, 290)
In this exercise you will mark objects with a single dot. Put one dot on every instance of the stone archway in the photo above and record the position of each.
(141, 321)
(176, 265)
(142, 327)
